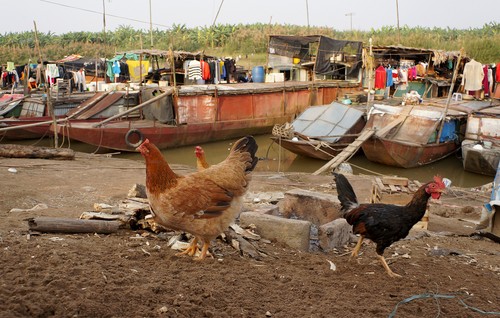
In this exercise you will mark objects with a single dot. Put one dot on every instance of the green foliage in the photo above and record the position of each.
(483, 44)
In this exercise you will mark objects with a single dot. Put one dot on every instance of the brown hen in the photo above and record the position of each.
(203, 203)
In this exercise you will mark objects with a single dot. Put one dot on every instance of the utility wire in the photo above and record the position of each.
(109, 15)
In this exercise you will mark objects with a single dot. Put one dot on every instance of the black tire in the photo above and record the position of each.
(134, 132)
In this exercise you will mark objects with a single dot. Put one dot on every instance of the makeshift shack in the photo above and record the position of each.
(400, 70)
(168, 67)
(314, 57)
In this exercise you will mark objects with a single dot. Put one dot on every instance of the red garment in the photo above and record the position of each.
(380, 77)
(486, 83)
(497, 75)
(205, 70)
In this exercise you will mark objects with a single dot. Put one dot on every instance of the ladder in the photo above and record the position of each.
(347, 152)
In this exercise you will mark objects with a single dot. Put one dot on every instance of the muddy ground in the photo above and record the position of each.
(128, 275)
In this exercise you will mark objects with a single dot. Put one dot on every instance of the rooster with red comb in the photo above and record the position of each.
(384, 224)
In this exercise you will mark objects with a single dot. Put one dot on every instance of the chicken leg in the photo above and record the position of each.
(191, 249)
(384, 263)
(355, 251)
(204, 252)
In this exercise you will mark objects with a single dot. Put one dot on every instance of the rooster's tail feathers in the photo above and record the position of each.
(346, 195)
(247, 144)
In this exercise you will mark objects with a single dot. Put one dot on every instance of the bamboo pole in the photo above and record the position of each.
(57, 120)
(168, 91)
(47, 89)
(450, 93)
(370, 66)
(33, 124)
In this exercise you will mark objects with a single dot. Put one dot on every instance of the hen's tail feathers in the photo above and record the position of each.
(247, 144)
(346, 195)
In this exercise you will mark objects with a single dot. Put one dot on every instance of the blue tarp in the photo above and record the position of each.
(333, 120)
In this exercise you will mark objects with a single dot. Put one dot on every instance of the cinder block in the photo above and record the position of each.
(294, 233)
(334, 235)
(318, 208)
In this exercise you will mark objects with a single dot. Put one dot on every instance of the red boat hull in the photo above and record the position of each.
(406, 155)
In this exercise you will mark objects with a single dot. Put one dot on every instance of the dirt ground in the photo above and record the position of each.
(129, 275)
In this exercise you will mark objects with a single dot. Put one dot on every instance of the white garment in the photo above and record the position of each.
(52, 71)
(473, 76)
(194, 70)
(80, 76)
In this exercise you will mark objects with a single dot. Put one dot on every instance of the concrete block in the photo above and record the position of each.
(335, 234)
(318, 208)
(294, 233)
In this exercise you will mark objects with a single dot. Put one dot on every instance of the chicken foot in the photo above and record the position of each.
(191, 250)
(388, 270)
(204, 252)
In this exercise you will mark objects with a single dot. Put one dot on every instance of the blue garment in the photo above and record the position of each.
(389, 77)
(116, 67)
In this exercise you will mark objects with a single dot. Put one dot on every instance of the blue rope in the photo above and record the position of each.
(445, 296)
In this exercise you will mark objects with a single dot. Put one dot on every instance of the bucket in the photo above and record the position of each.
(258, 74)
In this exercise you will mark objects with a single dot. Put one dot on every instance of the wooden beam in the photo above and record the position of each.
(64, 225)
(19, 151)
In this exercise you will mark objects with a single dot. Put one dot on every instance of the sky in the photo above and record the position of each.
(62, 16)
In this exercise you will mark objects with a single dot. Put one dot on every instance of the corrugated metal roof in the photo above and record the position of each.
(327, 120)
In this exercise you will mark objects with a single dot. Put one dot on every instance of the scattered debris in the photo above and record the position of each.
(443, 252)
(333, 267)
(39, 206)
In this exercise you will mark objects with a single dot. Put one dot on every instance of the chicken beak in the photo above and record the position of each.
(142, 150)
(436, 194)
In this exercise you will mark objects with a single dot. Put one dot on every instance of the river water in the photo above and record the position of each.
(277, 159)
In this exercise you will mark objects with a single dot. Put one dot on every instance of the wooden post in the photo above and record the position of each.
(47, 89)
(450, 93)
(370, 66)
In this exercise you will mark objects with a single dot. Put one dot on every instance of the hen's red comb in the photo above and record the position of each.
(439, 181)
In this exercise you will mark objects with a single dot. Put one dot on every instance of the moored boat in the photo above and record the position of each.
(413, 135)
(481, 145)
(202, 113)
(321, 132)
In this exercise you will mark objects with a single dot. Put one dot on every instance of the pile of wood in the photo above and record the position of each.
(397, 184)
(133, 213)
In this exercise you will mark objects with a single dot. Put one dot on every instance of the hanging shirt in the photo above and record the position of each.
(390, 80)
(205, 70)
(395, 76)
(10, 66)
(473, 76)
(486, 84)
(380, 77)
(194, 70)
(497, 73)
(116, 68)
(52, 70)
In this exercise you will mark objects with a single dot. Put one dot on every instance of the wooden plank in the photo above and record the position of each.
(104, 103)
(401, 118)
(379, 183)
(86, 104)
(347, 152)
(393, 188)
(398, 181)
